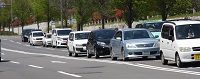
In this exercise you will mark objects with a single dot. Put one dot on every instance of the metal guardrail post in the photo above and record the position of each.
(0, 50)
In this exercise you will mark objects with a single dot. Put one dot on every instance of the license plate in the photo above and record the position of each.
(84, 48)
(196, 56)
(38, 42)
(146, 53)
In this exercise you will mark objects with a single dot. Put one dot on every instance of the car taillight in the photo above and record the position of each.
(67, 41)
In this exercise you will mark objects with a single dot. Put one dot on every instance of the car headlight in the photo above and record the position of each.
(185, 49)
(101, 43)
(157, 44)
(34, 38)
(79, 45)
(130, 46)
(60, 39)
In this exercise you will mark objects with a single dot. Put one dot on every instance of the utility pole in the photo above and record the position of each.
(48, 15)
(61, 13)
(11, 4)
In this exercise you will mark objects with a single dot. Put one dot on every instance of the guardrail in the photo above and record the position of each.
(0, 50)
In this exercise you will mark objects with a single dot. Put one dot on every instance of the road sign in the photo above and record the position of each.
(53, 25)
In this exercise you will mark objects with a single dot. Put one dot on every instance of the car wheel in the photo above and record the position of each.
(178, 61)
(111, 55)
(157, 57)
(96, 54)
(70, 53)
(43, 44)
(57, 45)
(123, 56)
(163, 60)
(74, 52)
(88, 54)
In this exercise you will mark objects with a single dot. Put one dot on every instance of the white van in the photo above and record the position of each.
(60, 37)
(36, 38)
(180, 42)
(77, 43)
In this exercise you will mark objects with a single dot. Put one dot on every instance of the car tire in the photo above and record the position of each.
(74, 53)
(43, 45)
(96, 55)
(70, 53)
(157, 57)
(163, 60)
(57, 45)
(178, 61)
(88, 54)
(111, 55)
(123, 57)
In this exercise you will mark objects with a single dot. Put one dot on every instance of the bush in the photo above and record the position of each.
(7, 33)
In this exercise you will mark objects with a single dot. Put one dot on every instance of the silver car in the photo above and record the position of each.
(134, 43)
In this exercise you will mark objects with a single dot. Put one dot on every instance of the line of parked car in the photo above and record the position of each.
(176, 40)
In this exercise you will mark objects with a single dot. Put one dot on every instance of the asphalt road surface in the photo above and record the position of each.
(22, 61)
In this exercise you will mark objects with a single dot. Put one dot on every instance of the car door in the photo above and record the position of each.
(53, 37)
(90, 41)
(171, 44)
(117, 43)
(71, 40)
(165, 42)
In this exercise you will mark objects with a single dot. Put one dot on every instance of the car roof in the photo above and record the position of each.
(186, 22)
(36, 31)
(128, 29)
(102, 30)
(80, 31)
(159, 21)
(63, 29)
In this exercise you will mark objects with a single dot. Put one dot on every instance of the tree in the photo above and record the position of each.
(67, 6)
(129, 10)
(170, 7)
(5, 15)
(104, 8)
(22, 10)
(83, 12)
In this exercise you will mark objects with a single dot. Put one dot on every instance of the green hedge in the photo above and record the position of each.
(7, 33)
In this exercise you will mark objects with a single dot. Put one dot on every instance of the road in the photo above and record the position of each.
(22, 61)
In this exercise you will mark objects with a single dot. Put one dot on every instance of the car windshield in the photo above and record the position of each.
(48, 36)
(188, 31)
(105, 34)
(63, 32)
(38, 34)
(26, 32)
(154, 27)
(137, 34)
(79, 36)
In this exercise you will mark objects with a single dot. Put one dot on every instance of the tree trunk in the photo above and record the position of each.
(164, 11)
(9, 27)
(22, 25)
(38, 24)
(130, 6)
(103, 22)
(78, 26)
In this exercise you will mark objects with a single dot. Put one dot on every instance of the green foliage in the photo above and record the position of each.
(5, 14)
(7, 33)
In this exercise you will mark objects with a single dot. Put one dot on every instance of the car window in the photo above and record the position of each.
(118, 34)
(188, 31)
(71, 36)
(48, 36)
(105, 34)
(137, 34)
(63, 32)
(165, 31)
(79, 36)
(38, 34)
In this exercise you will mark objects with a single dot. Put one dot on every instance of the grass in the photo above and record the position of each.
(7, 33)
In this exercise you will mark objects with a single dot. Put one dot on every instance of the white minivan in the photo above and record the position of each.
(60, 37)
(77, 43)
(180, 42)
(36, 38)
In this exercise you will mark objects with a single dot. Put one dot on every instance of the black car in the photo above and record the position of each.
(26, 33)
(99, 42)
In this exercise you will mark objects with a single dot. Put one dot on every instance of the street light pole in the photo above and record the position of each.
(11, 16)
(61, 13)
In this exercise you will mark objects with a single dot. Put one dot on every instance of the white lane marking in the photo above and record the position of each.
(58, 62)
(74, 75)
(4, 39)
(37, 47)
(14, 62)
(11, 41)
(50, 48)
(64, 50)
(113, 62)
(36, 66)
(27, 45)
(18, 43)
(2, 54)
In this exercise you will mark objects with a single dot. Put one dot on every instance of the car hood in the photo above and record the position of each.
(157, 33)
(83, 41)
(141, 41)
(188, 43)
(64, 36)
(39, 37)
(107, 41)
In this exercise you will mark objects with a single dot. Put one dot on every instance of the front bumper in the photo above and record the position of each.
(141, 52)
(62, 43)
(103, 50)
(81, 49)
(189, 56)
(37, 42)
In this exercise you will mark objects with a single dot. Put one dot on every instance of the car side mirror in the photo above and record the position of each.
(119, 38)
(156, 36)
